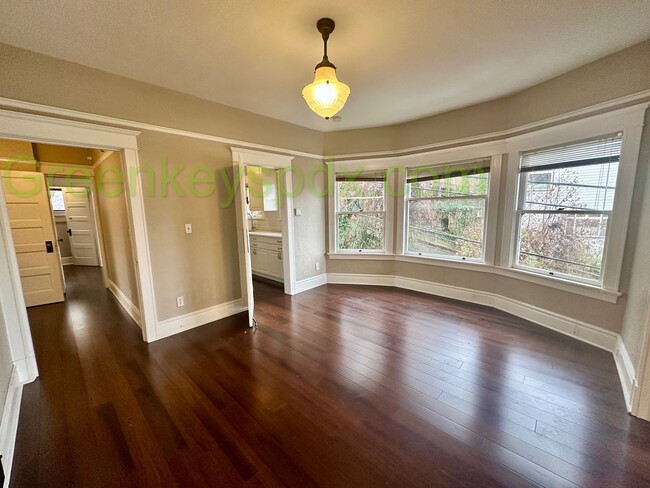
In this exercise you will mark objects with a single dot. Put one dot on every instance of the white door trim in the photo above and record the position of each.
(246, 157)
(37, 128)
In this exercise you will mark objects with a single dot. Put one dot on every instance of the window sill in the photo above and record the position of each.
(377, 256)
(583, 289)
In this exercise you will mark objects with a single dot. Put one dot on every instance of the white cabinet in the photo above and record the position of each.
(262, 184)
(266, 257)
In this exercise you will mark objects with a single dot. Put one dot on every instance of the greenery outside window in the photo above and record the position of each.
(446, 210)
(565, 205)
(361, 212)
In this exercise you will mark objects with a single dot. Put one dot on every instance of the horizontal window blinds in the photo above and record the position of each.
(431, 173)
(597, 151)
(368, 176)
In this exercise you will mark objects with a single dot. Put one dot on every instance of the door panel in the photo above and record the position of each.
(81, 227)
(32, 225)
(245, 244)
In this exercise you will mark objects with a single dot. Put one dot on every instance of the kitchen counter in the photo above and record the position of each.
(266, 233)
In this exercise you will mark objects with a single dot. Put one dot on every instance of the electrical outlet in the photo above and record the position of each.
(188, 228)
(317, 266)
(180, 301)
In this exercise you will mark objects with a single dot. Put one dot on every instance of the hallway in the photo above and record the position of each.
(340, 386)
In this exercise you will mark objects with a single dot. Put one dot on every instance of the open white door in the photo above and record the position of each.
(246, 269)
(32, 228)
(81, 226)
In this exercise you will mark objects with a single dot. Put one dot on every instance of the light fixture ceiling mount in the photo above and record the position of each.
(326, 95)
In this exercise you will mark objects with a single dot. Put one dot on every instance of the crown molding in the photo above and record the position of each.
(127, 127)
(114, 121)
(492, 137)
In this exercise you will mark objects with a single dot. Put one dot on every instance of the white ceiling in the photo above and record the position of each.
(403, 59)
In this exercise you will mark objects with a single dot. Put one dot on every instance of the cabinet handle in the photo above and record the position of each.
(280, 255)
(254, 251)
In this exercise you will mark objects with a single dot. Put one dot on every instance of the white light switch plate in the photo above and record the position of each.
(188, 228)
(298, 211)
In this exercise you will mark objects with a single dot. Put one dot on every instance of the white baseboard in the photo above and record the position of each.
(126, 303)
(166, 328)
(67, 261)
(309, 283)
(583, 331)
(626, 372)
(361, 279)
(9, 423)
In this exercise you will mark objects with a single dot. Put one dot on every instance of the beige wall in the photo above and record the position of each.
(203, 266)
(310, 227)
(32, 77)
(116, 232)
(636, 267)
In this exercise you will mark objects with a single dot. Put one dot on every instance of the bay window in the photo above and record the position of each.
(446, 210)
(565, 205)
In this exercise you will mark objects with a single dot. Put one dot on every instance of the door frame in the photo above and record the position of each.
(247, 157)
(50, 130)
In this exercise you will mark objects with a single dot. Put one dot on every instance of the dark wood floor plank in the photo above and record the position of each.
(340, 386)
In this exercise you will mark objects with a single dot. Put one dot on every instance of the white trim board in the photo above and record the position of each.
(67, 261)
(583, 331)
(309, 283)
(169, 327)
(126, 303)
(9, 423)
(626, 372)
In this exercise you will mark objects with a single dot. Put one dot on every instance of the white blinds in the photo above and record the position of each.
(597, 151)
(430, 173)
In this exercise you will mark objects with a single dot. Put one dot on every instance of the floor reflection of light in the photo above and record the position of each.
(77, 315)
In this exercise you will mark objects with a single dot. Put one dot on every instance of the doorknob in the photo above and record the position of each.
(48, 246)
(69, 232)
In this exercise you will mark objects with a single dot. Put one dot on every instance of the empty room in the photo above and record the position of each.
(324, 243)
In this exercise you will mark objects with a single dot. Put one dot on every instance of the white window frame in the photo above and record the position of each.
(494, 161)
(334, 229)
(629, 122)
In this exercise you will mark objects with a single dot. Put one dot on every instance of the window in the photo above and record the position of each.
(56, 199)
(446, 210)
(565, 204)
(361, 212)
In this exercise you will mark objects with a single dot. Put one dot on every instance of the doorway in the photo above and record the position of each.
(56, 215)
(264, 205)
(50, 130)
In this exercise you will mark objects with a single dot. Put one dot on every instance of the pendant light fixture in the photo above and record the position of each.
(326, 95)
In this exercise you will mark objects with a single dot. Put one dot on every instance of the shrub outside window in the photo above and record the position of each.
(446, 210)
(361, 212)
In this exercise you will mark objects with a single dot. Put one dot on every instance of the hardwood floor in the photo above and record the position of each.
(340, 386)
